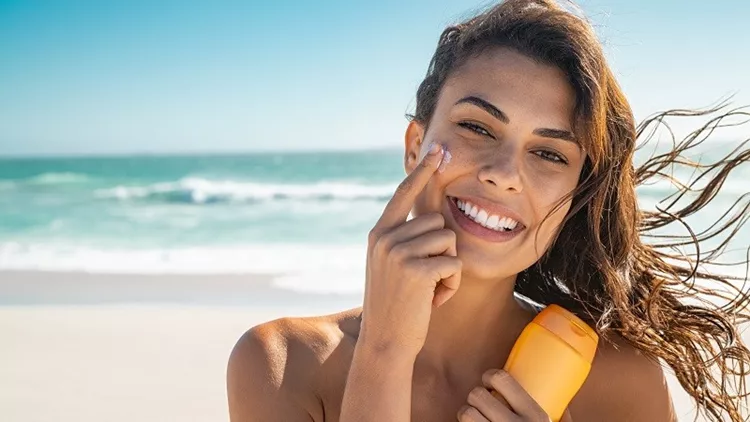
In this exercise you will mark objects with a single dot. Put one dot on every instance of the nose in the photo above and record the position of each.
(502, 170)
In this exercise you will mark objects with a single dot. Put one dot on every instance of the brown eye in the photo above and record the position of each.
(475, 128)
(551, 156)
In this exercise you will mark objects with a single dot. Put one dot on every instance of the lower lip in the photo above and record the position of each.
(479, 230)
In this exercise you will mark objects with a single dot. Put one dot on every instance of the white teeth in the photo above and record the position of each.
(482, 217)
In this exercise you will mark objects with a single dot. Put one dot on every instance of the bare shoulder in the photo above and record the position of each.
(624, 385)
(277, 369)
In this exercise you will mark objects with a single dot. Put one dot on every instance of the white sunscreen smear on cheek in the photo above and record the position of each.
(445, 161)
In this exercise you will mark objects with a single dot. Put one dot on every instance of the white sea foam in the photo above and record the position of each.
(57, 178)
(199, 190)
(45, 179)
(315, 268)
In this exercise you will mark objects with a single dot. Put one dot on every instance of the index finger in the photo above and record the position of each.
(401, 203)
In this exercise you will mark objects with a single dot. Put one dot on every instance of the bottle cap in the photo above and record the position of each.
(570, 328)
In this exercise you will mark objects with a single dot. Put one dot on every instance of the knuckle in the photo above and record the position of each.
(388, 239)
(449, 234)
(373, 236)
(424, 266)
(399, 251)
(435, 275)
(454, 264)
(383, 245)
(431, 220)
(427, 270)
(436, 218)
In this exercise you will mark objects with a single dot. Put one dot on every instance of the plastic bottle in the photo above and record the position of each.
(552, 358)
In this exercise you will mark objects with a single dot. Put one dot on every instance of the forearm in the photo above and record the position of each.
(378, 387)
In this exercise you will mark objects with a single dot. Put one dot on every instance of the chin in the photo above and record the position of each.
(486, 274)
(487, 265)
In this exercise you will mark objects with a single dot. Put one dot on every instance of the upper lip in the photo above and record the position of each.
(493, 208)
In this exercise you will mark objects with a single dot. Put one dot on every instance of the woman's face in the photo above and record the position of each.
(507, 122)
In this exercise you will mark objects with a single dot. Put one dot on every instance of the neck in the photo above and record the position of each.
(474, 331)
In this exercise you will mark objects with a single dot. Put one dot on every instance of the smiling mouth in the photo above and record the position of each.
(481, 218)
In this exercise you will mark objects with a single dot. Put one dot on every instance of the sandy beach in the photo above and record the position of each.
(81, 347)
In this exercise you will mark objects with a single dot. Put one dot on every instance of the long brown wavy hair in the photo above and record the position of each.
(610, 263)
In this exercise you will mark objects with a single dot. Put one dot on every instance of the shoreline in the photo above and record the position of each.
(82, 288)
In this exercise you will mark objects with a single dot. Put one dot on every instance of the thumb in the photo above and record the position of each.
(445, 289)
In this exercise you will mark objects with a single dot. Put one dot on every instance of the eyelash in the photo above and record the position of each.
(556, 158)
(474, 128)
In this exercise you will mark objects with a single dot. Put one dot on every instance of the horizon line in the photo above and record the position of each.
(190, 153)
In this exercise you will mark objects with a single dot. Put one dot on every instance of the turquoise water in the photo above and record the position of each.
(298, 214)
(194, 201)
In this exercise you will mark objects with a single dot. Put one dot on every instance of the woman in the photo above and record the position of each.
(519, 123)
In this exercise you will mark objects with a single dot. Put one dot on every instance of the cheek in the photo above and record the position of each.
(547, 188)
(547, 196)
(462, 159)
(541, 239)
(548, 228)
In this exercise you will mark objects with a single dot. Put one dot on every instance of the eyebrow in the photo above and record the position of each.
(495, 112)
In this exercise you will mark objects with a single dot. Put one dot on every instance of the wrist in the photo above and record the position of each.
(389, 352)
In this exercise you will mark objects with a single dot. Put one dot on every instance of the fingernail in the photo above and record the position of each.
(444, 163)
(434, 148)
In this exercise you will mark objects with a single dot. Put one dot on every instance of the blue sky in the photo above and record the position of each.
(139, 76)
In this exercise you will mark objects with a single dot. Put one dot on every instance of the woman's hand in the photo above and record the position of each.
(507, 402)
(411, 267)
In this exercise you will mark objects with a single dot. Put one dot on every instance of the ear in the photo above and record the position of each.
(413, 140)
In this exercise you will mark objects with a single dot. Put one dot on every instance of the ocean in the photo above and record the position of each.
(302, 216)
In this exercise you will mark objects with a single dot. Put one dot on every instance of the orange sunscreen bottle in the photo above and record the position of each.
(552, 358)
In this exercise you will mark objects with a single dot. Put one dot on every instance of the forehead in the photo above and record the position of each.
(515, 83)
